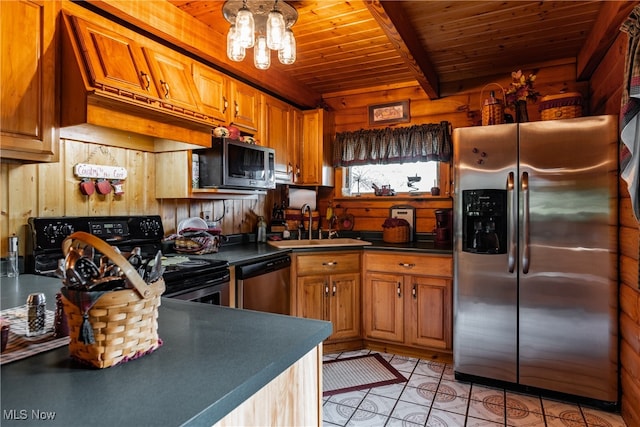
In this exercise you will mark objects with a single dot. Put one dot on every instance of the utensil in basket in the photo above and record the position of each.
(107, 328)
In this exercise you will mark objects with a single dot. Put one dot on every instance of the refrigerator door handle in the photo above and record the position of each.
(513, 218)
(525, 221)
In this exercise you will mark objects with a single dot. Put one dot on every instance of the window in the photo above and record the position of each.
(416, 177)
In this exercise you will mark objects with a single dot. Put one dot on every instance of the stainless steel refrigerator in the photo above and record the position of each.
(535, 250)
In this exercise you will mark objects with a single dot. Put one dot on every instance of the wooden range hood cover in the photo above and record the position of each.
(89, 107)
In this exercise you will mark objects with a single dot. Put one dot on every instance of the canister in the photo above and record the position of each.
(36, 314)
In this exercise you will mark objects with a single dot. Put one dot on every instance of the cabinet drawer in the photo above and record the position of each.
(408, 263)
(327, 263)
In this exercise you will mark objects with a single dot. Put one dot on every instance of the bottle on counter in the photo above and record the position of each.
(262, 230)
(13, 257)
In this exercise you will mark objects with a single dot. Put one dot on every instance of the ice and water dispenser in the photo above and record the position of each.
(484, 221)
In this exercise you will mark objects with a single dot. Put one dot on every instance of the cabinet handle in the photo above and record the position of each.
(334, 289)
(225, 104)
(297, 170)
(406, 265)
(165, 86)
(399, 290)
(289, 168)
(330, 264)
(414, 291)
(147, 80)
(326, 289)
(237, 108)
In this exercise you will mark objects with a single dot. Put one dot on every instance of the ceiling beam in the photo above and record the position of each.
(603, 33)
(164, 20)
(391, 17)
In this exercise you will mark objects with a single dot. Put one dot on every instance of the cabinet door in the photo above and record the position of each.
(172, 77)
(245, 102)
(313, 292)
(345, 305)
(213, 92)
(27, 78)
(311, 151)
(383, 302)
(275, 134)
(316, 151)
(428, 312)
(296, 134)
(114, 61)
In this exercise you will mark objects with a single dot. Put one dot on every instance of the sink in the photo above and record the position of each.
(324, 243)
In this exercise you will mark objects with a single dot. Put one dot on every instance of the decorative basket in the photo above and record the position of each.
(111, 327)
(562, 106)
(492, 108)
(399, 234)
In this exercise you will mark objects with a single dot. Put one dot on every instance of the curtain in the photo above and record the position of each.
(630, 108)
(428, 142)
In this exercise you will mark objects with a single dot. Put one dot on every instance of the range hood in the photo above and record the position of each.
(91, 109)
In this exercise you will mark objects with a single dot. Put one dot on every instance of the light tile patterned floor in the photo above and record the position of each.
(432, 397)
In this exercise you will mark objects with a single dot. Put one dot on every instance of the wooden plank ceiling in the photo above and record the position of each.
(351, 45)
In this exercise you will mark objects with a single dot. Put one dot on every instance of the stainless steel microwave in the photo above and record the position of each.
(234, 164)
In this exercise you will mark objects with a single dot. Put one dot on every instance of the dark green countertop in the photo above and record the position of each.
(212, 360)
(242, 250)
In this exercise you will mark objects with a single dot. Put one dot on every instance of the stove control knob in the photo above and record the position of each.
(66, 230)
(50, 231)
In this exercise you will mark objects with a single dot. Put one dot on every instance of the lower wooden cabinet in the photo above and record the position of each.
(407, 300)
(328, 288)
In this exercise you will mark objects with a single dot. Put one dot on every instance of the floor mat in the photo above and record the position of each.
(357, 373)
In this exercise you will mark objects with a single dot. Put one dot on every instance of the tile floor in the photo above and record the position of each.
(432, 397)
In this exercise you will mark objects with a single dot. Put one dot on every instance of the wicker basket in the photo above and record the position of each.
(562, 106)
(398, 234)
(492, 108)
(124, 323)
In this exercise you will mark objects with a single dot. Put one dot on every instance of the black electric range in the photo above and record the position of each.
(185, 277)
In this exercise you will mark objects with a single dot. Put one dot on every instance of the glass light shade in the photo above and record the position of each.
(235, 52)
(287, 53)
(261, 53)
(245, 28)
(275, 30)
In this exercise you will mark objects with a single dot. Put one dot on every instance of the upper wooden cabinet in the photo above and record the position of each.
(212, 88)
(245, 107)
(316, 149)
(114, 62)
(173, 79)
(28, 104)
(115, 78)
(275, 132)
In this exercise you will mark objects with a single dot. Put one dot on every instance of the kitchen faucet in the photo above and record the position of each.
(304, 208)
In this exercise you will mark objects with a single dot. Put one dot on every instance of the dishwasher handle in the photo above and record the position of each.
(259, 268)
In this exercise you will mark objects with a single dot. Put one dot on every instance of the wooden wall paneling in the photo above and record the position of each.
(22, 201)
(605, 96)
(461, 107)
(50, 181)
(75, 203)
(630, 386)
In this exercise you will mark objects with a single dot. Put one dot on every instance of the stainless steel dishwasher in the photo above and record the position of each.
(265, 285)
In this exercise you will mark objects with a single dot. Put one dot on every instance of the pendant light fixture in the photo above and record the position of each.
(264, 25)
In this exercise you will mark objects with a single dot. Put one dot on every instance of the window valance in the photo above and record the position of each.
(393, 145)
